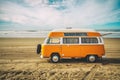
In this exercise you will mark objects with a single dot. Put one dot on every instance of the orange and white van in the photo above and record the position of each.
(72, 43)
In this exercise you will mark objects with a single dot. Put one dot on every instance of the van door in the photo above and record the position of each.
(52, 46)
(71, 47)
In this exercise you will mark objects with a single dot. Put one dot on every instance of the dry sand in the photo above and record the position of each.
(19, 61)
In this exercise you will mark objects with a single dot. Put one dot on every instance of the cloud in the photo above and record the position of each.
(61, 13)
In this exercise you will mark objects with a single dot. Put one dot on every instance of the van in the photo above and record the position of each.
(72, 43)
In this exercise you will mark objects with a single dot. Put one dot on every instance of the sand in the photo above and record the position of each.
(19, 61)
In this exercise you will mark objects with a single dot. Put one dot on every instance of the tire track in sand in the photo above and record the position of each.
(90, 74)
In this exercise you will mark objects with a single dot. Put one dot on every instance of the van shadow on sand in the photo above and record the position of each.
(112, 60)
(103, 61)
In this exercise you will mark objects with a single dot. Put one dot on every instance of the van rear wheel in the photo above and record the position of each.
(91, 58)
(55, 58)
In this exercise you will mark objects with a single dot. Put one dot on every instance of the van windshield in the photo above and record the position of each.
(53, 41)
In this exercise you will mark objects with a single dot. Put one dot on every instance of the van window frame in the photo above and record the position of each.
(80, 42)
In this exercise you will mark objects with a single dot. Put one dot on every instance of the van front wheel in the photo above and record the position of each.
(91, 58)
(55, 58)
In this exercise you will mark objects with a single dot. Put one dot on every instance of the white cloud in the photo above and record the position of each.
(36, 2)
(87, 13)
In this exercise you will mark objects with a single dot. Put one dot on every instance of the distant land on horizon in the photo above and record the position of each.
(114, 33)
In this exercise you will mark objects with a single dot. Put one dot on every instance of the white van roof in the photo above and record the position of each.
(73, 30)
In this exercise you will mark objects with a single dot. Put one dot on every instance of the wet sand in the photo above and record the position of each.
(18, 60)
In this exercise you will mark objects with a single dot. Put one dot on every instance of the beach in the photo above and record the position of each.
(19, 61)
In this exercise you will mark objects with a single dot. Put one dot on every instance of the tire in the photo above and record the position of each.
(38, 49)
(55, 58)
(91, 58)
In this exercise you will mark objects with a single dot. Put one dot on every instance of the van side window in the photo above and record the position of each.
(89, 40)
(70, 40)
(53, 41)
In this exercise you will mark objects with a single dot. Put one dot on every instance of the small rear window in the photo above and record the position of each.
(100, 40)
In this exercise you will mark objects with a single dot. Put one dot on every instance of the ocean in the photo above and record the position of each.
(43, 34)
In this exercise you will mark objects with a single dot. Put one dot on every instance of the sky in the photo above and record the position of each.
(54, 14)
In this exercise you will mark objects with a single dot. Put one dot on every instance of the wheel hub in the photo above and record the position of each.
(92, 58)
(55, 58)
